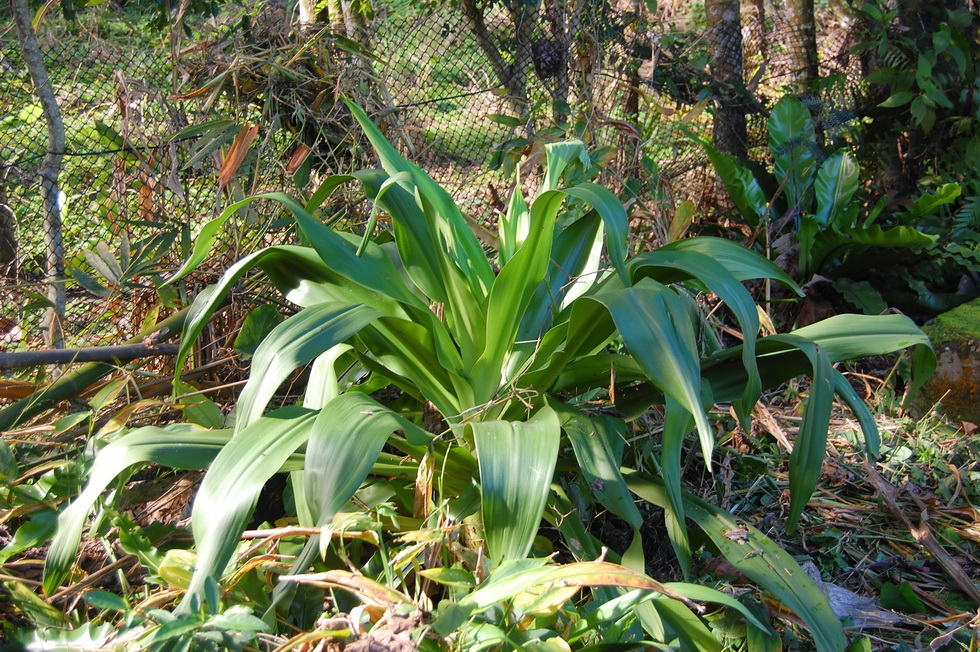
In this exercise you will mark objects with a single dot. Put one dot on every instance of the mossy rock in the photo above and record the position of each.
(955, 336)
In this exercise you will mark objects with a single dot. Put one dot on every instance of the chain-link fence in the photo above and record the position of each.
(124, 198)
(646, 85)
(461, 90)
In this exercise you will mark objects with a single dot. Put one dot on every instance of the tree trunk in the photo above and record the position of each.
(307, 13)
(524, 18)
(725, 38)
(565, 17)
(8, 231)
(50, 167)
(800, 41)
(512, 78)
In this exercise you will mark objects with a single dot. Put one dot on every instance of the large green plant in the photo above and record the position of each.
(504, 356)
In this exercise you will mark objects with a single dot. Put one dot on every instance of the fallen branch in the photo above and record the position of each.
(78, 380)
(922, 533)
(121, 353)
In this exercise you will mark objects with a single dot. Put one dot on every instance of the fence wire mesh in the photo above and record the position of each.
(456, 89)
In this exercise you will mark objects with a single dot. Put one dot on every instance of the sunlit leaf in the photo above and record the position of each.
(517, 462)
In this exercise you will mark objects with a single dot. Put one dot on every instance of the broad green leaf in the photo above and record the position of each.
(32, 533)
(259, 322)
(404, 352)
(89, 283)
(515, 223)
(39, 612)
(842, 337)
(849, 337)
(177, 446)
(517, 463)
(449, 576)
(359, 271)
(99, 265)
(372, 222)
(9, 469)
(576, 260)
(656, 327)
(105, 600)
(691, 633)
(205, 241)
(673, 265)
(827, 244)
(510, 580)
(898, 99)
(743, 188)
(292, 344)
(559, 156)
(837, 181)
(901, 597)
(613, 215)
(702, 593)
(768, 565)
(324, 385)
(412, 231)
(608, 611)
(231, 488)
(593, 439)
(861, 294)
(791, 141)
(741, 262)
(364, 264)
(198, 408)
(133, 540)
(297, 272)
(344, 444)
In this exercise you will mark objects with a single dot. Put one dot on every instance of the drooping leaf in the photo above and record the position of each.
(231, 488)
(177, 446)
(292, 344)
(759, 559)
(656, 327)
(741, 262)
(680, 265)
